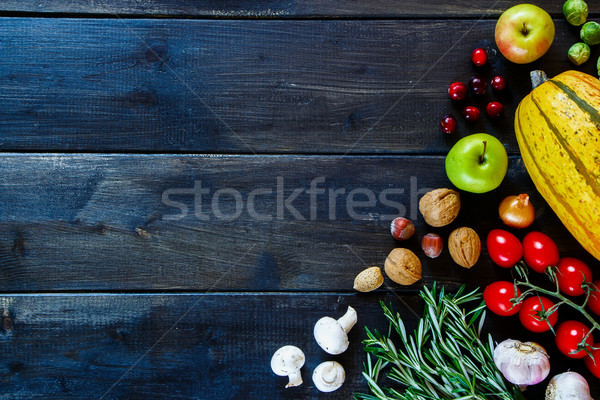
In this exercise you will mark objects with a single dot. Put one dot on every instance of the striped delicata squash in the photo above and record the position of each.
(558, 130)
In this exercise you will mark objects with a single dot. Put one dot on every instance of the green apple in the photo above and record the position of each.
(524, 33)
(477, 163)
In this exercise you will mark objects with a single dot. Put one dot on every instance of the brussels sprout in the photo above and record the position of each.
(598, 67)
(579, 53)
(590, 33)
(576, 11)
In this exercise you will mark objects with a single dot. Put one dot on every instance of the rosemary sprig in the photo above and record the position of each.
(444, 358)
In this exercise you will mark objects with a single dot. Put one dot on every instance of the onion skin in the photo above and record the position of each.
(517, 211)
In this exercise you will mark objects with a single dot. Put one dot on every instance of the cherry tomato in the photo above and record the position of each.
(504, 248)
(568, 336)
(571, 273)
(593, 364)
(539, 251)
(594, 300)
(497, 298)
(532, 311)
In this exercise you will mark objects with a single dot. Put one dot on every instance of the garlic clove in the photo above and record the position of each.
(521, 363)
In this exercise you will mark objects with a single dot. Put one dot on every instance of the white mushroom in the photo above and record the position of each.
(287, 361)
(329, 376)
(332, 335)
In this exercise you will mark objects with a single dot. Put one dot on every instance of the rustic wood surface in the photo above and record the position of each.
(266, 86)
(275, 8)
(117, 117)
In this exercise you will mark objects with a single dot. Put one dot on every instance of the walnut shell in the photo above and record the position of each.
(440, 206)
(368, 280)
(403, 266)
(464, 246)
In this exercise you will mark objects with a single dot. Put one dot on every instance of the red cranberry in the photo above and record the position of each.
(498, 83)
(478, 85)
(448, 124)
(494, 109)
(479, 57)
(457, 91)
(471, 113)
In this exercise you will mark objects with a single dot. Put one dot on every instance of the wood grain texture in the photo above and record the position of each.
(123, 222)
(277, 8)
(248, 86)
(195, 346)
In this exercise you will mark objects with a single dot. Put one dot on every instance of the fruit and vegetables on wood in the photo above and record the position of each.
(558, 131)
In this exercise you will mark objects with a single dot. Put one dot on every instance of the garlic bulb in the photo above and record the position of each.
(523, 364)
(568, 386)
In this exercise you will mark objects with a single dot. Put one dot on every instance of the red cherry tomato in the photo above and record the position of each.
(594, 300)
(569, 335)
(539, 251)
(497, 298)
(532, 311)
(504, 248)
(571, 273)
(593, 364)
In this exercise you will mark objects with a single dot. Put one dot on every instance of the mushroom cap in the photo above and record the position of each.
(329, 376)
(287, 360)
(330, 335)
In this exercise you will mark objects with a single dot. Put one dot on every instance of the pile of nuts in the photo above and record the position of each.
(439, 208)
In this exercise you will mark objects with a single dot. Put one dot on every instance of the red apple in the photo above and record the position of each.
(524, 33)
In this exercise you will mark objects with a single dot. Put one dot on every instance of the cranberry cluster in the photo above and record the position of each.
(478, 86)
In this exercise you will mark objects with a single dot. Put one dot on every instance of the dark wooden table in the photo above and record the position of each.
(186, 186)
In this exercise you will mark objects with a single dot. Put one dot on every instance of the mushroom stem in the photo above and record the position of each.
(295, 379)
(348, 320)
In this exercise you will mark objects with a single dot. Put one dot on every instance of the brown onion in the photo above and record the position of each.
(517, 211)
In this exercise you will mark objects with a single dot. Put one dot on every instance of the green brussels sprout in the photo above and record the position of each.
(579, 53)
(590, 33)
(576, 11)
(598, 67)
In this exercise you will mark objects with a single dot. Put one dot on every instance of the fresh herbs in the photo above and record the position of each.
(444, 358)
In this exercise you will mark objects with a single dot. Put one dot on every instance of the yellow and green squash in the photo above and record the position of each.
(558, 130)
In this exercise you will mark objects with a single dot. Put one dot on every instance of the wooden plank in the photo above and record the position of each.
(196, 346)
(151, 222)
(277, 8)
(247, 86)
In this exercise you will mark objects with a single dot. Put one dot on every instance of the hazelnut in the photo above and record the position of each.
(368, 280)
(440, 206)
(403, 266)
(402, 228)
(464, 246)
(432, 245)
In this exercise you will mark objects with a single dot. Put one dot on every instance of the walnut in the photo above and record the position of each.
(440, 206)
(403, 266)
(465, 246)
